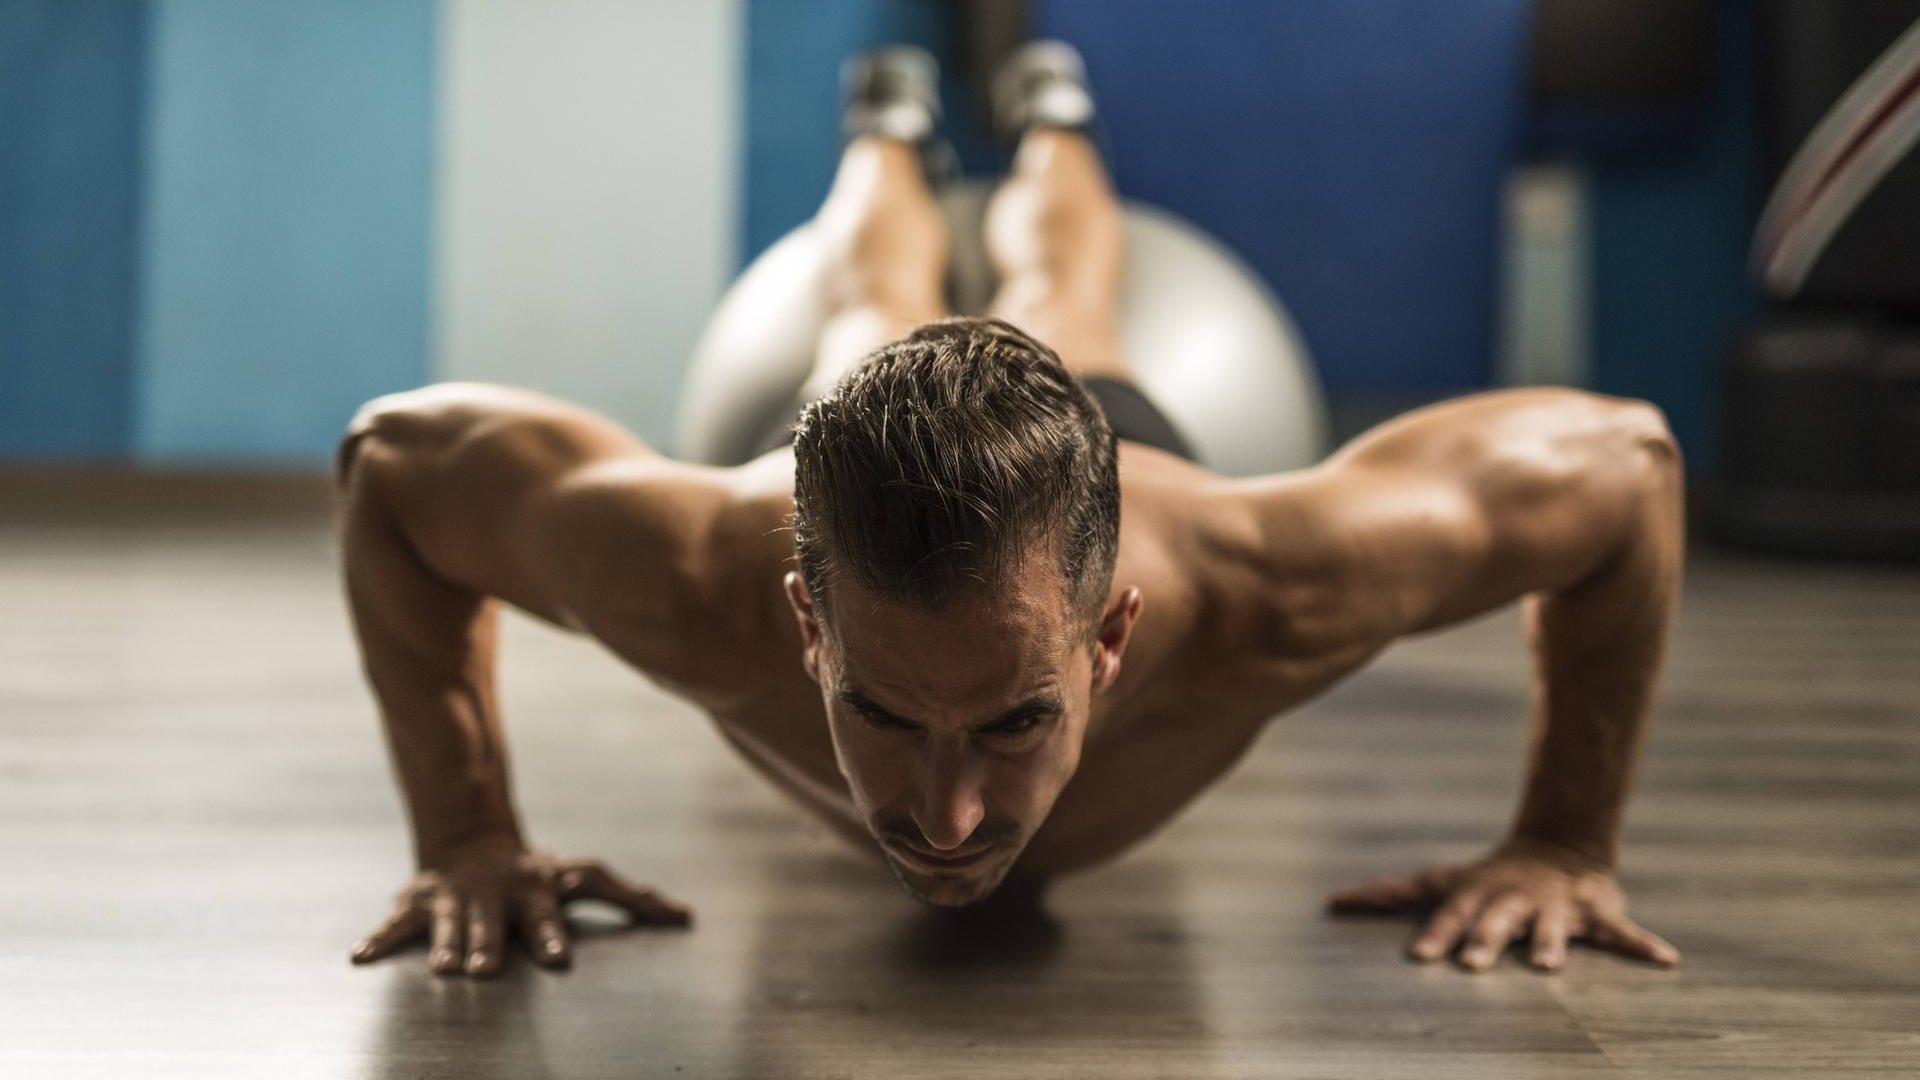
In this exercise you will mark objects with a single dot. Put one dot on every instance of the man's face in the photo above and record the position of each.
(957, 727)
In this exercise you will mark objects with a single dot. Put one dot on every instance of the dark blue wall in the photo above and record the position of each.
(1354, 153)
(792, 142)
(1670, 233)
(70, 110)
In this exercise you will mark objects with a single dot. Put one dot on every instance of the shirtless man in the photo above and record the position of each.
(939, 673)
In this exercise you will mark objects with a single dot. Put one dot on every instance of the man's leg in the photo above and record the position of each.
(886, 247)
(1057, 237)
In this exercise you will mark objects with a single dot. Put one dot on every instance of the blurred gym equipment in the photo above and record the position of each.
(1820, 428)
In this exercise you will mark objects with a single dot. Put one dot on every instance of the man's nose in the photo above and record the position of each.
(949, 807)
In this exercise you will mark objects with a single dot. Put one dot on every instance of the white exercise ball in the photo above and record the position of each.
(1208, 342)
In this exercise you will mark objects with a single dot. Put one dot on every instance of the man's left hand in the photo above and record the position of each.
(1522, 889)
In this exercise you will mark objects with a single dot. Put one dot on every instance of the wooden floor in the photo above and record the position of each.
(196, 821)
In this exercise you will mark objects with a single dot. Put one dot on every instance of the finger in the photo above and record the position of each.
(1494, 930)
(402, 926)
(1550, 932)
(538, 918)
(1622, 935)
(1382, 896)
(447, 934)
(1444, 929)
(486, 936)
(644, 906)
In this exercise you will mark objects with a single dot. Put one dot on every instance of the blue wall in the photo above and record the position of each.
(214, 223)
(1671, 229)
(1354, 153)
(70, 113)
(794, 53)
(215, 217)
(287, 228)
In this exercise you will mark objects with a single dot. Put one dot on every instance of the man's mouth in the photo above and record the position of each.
(942, 862)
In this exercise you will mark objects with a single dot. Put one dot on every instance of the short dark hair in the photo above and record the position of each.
(944, 458)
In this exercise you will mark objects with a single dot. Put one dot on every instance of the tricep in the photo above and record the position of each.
(1458, 508)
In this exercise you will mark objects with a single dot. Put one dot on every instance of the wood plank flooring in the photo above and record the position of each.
(196, 821)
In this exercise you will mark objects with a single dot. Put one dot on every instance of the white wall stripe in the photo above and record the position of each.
(588, 156)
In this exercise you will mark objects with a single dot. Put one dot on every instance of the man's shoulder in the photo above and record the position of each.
(749, 546)
(1271, 565)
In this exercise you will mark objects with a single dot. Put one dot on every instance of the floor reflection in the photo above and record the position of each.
(894, 988)
(431, 1026)
(1007, 932)
(603, 1018)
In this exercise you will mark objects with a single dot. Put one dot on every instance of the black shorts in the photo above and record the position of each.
(1132, 415)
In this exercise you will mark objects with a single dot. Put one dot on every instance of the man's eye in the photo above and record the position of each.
(882, 720)
(1015, 727)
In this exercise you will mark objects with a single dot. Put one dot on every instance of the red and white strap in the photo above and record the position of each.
(1853, 147)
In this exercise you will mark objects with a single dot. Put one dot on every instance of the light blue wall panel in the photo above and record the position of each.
(69, 194)
(287, 222)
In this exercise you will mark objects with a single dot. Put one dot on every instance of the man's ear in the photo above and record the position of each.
(802, 603)
(1116, 628)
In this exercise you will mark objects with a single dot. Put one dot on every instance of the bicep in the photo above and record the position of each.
(555, 510)
(622, 551)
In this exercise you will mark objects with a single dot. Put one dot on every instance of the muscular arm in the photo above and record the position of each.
(1570, 500)
(1598, 646)
(455, 498)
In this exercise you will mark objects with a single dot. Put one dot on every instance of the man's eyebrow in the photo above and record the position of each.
(1044, 705)
(1040, 705)
(865, 704)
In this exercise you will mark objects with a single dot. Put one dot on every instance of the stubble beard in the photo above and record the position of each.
(980, 889)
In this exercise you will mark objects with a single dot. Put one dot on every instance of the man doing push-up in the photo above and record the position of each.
(983, 616)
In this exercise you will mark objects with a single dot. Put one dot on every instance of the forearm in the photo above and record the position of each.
(448, 752)
(1598, 648)
(428, 647)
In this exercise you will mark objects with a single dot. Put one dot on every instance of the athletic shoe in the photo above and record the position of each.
(1041, 84)
(893, 92)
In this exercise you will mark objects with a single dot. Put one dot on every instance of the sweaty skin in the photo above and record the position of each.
(994, 725)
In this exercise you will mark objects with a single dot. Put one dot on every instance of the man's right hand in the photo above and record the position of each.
(464, 900)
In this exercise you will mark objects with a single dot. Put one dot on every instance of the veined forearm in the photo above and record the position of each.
(427, 647)
(450, 758)
(1598, 647)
